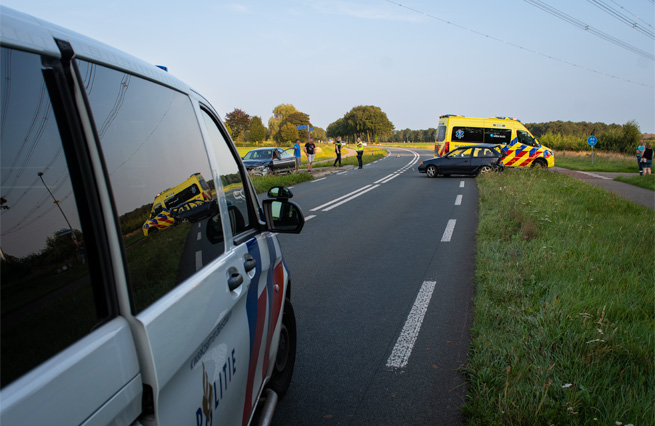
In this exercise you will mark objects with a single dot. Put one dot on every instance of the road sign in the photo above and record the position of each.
(302, 127)
(591, 140)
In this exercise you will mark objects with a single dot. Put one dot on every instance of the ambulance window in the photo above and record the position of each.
(494, 135)
(232, 179)
(525, 138)
(467, 134)
(152, 144)
(47, 290)
(441, 133)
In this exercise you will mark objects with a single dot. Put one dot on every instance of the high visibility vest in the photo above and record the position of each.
(360, 146)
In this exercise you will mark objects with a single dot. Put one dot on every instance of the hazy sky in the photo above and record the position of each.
(415, 59)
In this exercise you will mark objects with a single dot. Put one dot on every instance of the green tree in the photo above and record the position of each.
(257, 130)
(368, 120)
(280, 112)
(238, 121)
(287, 133)
(318, 134)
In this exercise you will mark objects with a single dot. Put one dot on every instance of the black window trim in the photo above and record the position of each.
(58, 75)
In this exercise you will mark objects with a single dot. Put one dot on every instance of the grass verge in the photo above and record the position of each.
(647, 182)
(564, 323)
(603, 161)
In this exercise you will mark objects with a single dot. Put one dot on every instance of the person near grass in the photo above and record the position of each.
(337, 150)
(309, 151)
(640, 151)
(647, 159)
(359, 147)
(297, 154)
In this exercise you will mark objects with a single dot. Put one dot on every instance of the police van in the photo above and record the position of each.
(191, 326)
(518, 146)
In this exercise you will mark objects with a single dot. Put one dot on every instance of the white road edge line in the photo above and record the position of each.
(312, 216)
(595, 175)
(405, 343)
(461, 184)
(458, 200)
(448, 233)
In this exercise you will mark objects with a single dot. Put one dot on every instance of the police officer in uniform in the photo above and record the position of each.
(359, 147)
(337, 150)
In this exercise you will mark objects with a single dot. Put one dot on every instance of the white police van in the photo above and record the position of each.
(192, 325)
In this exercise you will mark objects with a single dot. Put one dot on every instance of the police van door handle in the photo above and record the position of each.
(250, 262)
(235, 280)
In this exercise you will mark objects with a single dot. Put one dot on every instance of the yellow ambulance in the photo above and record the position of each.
(518, 146)
(185, 196)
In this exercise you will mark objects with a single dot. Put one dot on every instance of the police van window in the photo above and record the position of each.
(231, 178)
(47, 297)
(525, 138)
(155, 156)
(467, 134)
(494, 135)
(441, 133)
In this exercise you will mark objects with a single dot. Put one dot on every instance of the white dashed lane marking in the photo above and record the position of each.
(448, 233)
(405, 343)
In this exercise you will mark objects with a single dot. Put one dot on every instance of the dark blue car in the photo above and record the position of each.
(466, 160)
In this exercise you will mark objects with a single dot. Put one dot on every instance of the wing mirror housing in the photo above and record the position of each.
(280, 193)
(282, 215)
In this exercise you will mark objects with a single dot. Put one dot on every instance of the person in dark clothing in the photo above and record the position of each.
(337, 150)
(647, 159)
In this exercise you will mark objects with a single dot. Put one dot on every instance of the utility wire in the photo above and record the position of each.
(575, 22)
(638, 18)
(621, 17)
(520, 47)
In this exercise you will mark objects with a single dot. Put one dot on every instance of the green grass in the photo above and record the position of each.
(564, 329)
(603, 161)
(264, 183)
(647, 182)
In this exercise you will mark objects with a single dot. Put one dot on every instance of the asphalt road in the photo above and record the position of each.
(382, 287)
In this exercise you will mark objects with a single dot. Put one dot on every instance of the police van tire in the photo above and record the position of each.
(431, 171)
(286, 352)
(539, 163)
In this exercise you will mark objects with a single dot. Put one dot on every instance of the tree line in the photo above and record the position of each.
(373, 126)
(368, 122)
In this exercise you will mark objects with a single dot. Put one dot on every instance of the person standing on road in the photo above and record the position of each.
(337, 150)
(647, 159)
(640, 151)
(309, 151)
(297, 153)
(359, 147)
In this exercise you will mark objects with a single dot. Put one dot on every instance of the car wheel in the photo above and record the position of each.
(539, 163)
(286, 352)
(484, 169)
(431, 171)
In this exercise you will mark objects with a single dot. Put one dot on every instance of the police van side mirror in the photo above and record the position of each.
(283, 216)
(280, 192)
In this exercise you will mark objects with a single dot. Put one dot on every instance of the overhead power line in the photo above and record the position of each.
(622, 17)
(575, 22)
(518, 46)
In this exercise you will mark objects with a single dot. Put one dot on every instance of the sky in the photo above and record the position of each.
(415, 59)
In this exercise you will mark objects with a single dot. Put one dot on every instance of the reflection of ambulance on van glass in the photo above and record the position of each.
(191, 194)
(518, 146)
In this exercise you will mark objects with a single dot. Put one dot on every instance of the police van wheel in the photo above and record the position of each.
(286, 352)
(431, 171)
(539, 163)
